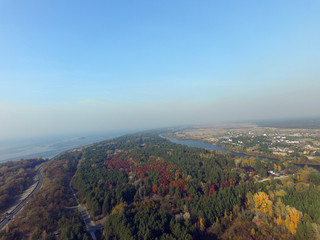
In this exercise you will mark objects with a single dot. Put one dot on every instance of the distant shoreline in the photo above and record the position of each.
(51, 147)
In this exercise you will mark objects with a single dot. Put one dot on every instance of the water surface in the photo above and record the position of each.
(48, 147)
(209, 146)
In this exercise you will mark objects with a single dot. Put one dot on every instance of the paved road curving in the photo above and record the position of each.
(274, 178)
(86, 218)
(11, 215)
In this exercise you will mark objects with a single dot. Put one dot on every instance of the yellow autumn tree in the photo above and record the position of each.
(252, 161)
(201, 224)
(230, 217)
(280, 193)
(279, 220)
(292, 219)
(188, 178)
(208, 155)
(304, 176)
(119, 208)
(225, 214)
(237, 161)
(245, 162)
(262, 202)
(275, 167)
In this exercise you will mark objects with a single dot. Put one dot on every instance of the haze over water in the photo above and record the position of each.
(48, 147)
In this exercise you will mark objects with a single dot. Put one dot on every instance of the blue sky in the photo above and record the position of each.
(71, 66)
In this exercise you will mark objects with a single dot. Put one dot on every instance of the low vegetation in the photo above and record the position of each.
(48, 214)
(15, 178)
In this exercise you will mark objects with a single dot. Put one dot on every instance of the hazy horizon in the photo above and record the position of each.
(73, 67)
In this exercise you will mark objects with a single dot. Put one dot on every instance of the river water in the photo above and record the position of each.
(209, 146)
(49, 146)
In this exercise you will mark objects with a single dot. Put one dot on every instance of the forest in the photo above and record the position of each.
(15, 177)
(50, 214)
(149, 188)
(143, 186)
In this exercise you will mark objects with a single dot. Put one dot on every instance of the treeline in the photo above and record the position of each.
(145, 221)
(15, 178)
(304, 195)
(189, 188)
(287, 209)
(149, 188)
(48, 214)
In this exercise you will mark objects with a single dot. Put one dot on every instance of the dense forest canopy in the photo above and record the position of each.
(183, 192)
(143, 186)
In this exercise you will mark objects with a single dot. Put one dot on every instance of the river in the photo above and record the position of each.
(209, 146)
(49, 146)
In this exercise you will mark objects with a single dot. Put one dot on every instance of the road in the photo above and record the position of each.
(86, 218)
(274, 178)
(11, 215)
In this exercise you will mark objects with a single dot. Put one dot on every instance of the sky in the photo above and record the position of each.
(74, 66)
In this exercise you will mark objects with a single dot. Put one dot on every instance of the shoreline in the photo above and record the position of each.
(308, 164)
(273, 158)
(53, 147)
(244, 153)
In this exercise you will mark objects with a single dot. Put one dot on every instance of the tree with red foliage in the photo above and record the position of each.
(155, 188)
(212, 190)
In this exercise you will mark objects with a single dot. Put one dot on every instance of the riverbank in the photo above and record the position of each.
(210, 146)
(260, 155)
(305, 163)
(204, 143)
(49, 146)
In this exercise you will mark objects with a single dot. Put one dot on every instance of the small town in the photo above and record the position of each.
(297, 145)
